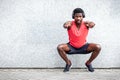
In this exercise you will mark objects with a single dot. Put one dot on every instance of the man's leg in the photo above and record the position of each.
(62, 49)
(95, 49)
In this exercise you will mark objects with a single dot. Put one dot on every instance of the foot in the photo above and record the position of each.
(90, 68)
(67, 68)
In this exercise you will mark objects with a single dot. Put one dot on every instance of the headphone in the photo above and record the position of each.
(78, 10)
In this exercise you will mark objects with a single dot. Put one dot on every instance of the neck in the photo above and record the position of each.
(78, 25)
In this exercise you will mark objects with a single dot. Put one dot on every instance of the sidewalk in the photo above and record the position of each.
(57, 74)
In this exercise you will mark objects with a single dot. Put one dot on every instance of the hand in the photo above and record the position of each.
(67, 24)
(89, 24)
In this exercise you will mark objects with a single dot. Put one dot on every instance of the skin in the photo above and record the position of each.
(93, 47)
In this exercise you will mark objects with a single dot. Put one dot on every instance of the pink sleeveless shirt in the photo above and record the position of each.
(77, 38)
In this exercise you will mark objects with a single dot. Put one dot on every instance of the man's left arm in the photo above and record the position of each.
(89, 24)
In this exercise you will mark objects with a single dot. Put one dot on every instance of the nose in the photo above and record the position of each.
(78, 18)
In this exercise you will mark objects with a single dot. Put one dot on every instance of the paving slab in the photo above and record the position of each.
(58, 74)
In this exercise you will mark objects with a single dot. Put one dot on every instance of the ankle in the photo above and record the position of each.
(88, 62)
(69, 62)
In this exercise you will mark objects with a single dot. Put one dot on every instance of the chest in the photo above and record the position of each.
(78, 31)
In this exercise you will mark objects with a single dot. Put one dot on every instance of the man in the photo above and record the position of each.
(77, 32)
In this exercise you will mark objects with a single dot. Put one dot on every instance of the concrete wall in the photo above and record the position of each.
(30, 31)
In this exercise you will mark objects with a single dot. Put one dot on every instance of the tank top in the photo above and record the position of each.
(77, 38)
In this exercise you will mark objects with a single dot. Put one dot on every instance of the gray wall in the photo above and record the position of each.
(30, 31)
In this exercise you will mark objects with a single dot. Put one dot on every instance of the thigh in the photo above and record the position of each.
(91, 47)
(65, 47)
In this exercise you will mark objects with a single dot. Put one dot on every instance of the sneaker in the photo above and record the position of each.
(90, 68)
(67, 67)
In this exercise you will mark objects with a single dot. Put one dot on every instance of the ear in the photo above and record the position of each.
(83, 15)
(73, 15)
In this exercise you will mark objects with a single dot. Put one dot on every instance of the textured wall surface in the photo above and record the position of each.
(30, 31)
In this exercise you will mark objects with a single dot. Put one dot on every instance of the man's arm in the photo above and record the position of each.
(89, 24)
(67, 24)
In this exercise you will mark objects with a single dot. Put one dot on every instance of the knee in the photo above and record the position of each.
(59, 47)
(98, 47)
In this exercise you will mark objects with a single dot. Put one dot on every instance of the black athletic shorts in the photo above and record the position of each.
(81, 50)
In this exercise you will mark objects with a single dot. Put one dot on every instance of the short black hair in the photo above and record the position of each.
(78, 10)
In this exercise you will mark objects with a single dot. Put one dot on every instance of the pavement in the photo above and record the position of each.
(58, 74)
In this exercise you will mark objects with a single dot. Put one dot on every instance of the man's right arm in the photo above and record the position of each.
(67, 24)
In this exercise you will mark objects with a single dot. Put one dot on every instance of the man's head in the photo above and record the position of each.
(78, 10)
(78, 15)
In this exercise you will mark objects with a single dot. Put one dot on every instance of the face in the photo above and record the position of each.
(78, 18)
